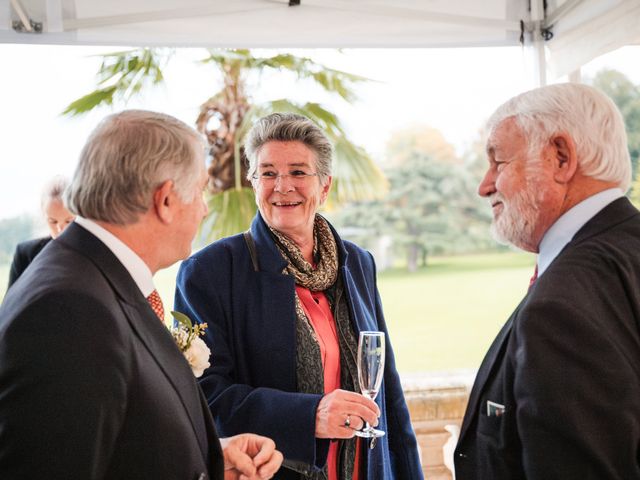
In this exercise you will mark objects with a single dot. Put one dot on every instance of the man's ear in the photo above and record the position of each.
(163, 199)
(565, 159)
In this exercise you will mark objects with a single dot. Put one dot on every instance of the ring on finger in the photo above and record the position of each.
(347, 421)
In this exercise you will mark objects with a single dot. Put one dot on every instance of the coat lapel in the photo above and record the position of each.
(160, 345)
(616, 212)
(494, 353)
(152, 333)
(277, 297)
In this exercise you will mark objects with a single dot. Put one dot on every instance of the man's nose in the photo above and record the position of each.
(487, 185)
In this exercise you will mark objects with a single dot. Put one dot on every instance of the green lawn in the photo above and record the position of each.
(440, 318)
(446, 316)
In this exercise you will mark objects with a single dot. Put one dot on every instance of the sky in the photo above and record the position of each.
(453, 90)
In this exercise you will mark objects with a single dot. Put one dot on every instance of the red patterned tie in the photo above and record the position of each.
(156, 304)
(533, 277)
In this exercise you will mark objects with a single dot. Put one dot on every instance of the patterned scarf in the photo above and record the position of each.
(325, 253)
(309, 371)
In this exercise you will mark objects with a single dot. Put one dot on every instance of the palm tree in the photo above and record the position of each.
(227, 116)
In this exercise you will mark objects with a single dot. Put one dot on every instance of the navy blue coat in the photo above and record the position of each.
(251, 384)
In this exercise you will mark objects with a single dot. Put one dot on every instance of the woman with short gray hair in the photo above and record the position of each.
(285, 302)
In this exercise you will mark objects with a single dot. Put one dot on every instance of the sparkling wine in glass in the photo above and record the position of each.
(370, 372)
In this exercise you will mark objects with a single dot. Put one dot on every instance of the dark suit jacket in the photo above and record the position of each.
(566, 367)
(251, 384)
(25, 253)
(92, 385)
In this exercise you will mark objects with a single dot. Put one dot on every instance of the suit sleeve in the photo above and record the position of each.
(577, 389)
(63, 389)
(403, 446)
(236, 404)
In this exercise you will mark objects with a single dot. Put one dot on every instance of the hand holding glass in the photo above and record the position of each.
(370, 372)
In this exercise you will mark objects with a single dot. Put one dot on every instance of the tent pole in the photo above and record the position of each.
(537, 44)
(24, 18)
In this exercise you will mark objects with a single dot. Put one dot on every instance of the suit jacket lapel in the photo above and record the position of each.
(487, 366)
(617, 211)
(144, 322)
(163, 349)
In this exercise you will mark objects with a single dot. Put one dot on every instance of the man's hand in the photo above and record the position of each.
(250, 457)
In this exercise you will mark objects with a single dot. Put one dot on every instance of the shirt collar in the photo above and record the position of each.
(136, 267)
(564, 229)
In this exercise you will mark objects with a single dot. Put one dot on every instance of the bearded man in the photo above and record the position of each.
(558, 394)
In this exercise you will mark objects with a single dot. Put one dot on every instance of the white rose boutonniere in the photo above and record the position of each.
(187, 337)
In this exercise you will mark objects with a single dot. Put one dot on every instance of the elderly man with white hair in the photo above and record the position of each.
(558, 394)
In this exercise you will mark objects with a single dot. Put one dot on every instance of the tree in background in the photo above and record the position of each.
(431, 207)
(226, 117)
(626, 96)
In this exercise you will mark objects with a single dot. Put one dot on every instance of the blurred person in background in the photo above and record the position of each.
(57, 217)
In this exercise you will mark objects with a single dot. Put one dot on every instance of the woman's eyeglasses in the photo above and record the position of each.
(297, 177)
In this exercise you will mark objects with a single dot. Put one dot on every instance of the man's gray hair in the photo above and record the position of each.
(53, 190)
(289, 127)
(128, 156)
(586, 114)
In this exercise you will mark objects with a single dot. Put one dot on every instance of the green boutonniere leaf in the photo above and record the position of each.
(183, 320)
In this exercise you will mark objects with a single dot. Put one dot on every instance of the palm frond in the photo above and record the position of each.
(223, 57)
(230, 212)
(356, 177)
(331, 80)
(102, 96)
(121, 76)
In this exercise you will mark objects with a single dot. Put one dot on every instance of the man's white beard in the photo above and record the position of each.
(516, 223)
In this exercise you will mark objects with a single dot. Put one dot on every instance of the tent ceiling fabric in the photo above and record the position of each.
(582, 29)
(273, 23)
(592, 28)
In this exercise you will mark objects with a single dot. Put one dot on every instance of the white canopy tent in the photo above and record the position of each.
(562, 34)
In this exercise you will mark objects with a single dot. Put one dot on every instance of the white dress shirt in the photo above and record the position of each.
(564, 229)
(136, 267)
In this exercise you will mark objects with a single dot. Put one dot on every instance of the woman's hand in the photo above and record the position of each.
(340, 413)
(249, 456)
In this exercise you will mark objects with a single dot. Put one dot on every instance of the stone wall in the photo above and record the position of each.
(436, 400)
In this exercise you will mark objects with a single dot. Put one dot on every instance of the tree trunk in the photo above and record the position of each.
(424, 255)
(412, 257)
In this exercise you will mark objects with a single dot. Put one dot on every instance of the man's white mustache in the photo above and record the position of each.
(495, 198)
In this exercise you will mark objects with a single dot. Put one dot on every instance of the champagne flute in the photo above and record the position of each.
(370, 372)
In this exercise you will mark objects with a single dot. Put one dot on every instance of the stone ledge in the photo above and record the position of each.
(436, 400)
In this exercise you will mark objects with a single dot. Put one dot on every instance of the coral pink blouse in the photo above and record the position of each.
(318, 311)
